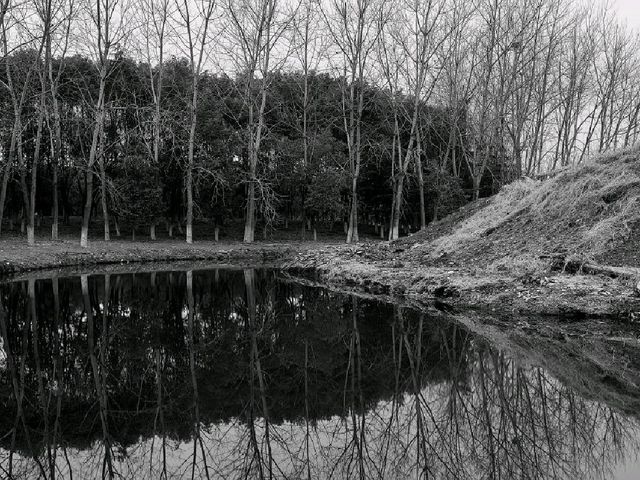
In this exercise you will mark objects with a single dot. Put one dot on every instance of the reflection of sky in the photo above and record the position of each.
(630, 471)
(3, 355)
(391, 449)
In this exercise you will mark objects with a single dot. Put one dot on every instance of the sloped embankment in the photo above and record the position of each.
(589, 213)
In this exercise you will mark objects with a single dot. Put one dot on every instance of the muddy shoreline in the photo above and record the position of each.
(354, 268)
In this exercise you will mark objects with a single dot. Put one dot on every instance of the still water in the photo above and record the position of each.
(235, 374)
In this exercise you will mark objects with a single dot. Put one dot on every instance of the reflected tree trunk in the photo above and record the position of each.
(98, 367)
(256, 369)
(31, 286)
(18, 374)
(197, 434)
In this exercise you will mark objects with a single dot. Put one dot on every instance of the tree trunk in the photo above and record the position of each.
(103, 192)
(55, 221)
(189, 236)
(84, 234)
(423, 215)
(352, 232)
(97, 131)
(17, 129)
(56, 147)
(393, 207)
(394, 234)
(249, 224)
(195, 71)
(31, 227)
(5, 183)
(476, 187)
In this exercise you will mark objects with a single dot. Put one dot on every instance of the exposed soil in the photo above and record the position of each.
(365, 269)
(17, 257)
(625, 251)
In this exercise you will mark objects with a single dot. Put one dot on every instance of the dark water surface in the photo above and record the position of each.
(244, 374)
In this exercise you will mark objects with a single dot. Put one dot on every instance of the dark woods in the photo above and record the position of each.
(141, 190)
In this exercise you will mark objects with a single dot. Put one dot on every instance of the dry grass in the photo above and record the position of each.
(511, 200)
(582, 210)
(523, 264)
(596, 201)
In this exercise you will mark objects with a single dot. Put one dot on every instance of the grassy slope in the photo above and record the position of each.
(591, 212)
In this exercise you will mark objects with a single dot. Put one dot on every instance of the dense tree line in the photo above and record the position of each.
(365, 112)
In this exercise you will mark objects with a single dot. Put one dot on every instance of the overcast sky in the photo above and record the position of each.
(629, 10)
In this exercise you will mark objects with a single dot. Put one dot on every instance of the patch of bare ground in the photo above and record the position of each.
(16, 256)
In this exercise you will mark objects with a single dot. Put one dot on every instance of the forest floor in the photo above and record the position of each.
(16, 257)
(567, 246)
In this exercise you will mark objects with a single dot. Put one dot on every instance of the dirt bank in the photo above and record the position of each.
(17, 257)
(381, 270)
(375, 268)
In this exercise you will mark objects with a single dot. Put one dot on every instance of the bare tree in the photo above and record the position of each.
(255, 29)
(483, 136)
(418, 35)
(46, 11)
(155, 22)
(18, 99)
(63, 14)
(306, 46)
(5, 9)
(354, 28)
(107, 20)
(196, 21)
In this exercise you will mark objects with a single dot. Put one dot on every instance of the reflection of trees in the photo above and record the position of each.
(237, 375)
(500, 420)
(98, 368)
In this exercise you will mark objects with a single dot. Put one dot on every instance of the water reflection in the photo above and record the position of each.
(238, 374)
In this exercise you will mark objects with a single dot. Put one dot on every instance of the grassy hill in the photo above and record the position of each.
(589, 213)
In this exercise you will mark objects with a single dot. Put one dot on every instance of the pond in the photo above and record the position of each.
(232, 373)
